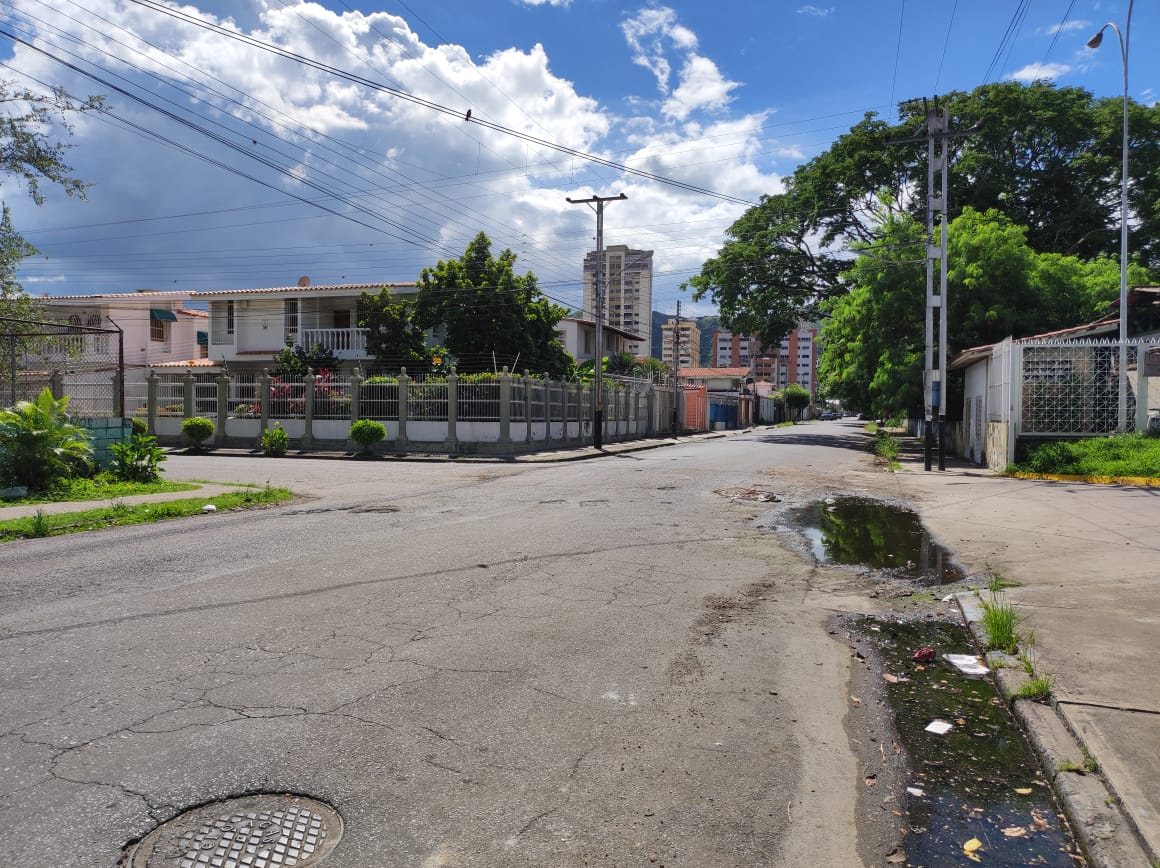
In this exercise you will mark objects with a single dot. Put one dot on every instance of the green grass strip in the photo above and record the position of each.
(42, 524)
(99, 489)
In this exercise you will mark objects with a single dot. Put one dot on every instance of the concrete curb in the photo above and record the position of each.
(1103, 828)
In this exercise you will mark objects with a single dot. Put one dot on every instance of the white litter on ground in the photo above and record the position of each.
(968, 664)
(939, 727)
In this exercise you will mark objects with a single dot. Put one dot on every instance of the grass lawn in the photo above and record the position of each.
(1136, 455)
(100, 487)
(41, 524)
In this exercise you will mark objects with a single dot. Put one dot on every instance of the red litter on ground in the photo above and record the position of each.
(923, 655)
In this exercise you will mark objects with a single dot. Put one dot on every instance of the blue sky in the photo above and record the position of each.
(262, 170)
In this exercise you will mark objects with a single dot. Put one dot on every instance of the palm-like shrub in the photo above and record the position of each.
(39, 445)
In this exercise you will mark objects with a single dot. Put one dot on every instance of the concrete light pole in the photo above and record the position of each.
(597, 204)
(1124, 36)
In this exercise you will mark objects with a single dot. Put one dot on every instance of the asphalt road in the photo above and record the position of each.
(591, 663)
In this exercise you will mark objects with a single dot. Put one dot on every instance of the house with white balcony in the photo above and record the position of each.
(159, 328)
(248, 326)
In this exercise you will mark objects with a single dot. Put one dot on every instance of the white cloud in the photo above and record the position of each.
(546, 2)
(419, 184)
(654, 34)
(1067, 27)
(702, 87)
(1040, 72)
(816, 11)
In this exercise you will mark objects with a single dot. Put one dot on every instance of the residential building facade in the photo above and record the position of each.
(579, 338)
(248, 326)
(627, 292)
(681, 344)
(733, 351)
(158, 327)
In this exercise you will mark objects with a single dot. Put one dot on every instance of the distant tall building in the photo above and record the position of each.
(689, 343)
(794, 361)
(733, 351)
(627, 292)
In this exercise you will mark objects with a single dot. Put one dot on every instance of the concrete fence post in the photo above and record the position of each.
(528, 406)
(547, 409)
(650, 424)
(56, 384)
(188, 387)
(505, 406)
(264, 402)
(356, 380)
(151, 404)
(308, 409)
(119, 393)
(452, 409)
(404, 402)
(223, 409)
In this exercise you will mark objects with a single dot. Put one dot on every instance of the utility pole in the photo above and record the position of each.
(936, 132)
(597, 204)
(676, 365)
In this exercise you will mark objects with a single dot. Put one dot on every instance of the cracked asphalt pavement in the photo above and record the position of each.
(590, 663)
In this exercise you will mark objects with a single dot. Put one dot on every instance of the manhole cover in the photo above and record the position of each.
(269, 831)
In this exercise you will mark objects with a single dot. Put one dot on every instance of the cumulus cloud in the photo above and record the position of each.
(1040, 72)
(282, 170)
(658, 42)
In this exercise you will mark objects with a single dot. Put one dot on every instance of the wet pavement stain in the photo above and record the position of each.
(864, 531)
(976, 794)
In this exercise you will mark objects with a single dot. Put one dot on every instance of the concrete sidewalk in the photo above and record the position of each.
(1084, 558)
(206, 490)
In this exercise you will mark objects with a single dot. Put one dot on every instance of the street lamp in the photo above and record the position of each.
(1125, 38)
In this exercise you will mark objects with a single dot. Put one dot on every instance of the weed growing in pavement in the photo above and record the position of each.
(1000, 626)
(1037, 688)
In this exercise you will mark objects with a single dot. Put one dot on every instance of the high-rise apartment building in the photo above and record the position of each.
(688, 342)
(798, 357)
(627, 292)
(733, 351)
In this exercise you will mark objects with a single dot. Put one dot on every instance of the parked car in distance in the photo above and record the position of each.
(828, 415)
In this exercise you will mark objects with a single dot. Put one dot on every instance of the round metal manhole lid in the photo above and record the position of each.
(266, 831)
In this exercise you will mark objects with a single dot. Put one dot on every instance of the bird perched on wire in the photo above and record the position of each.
(467, 116)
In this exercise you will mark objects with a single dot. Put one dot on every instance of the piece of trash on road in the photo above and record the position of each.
(939, 727)
(916, 792)
(891, 678)
(968, 664)
(209, 507)
(923, 655)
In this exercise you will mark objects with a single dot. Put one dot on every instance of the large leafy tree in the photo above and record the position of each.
(31, 154)
(392, 336)
(998, 285)
(490, 315)
(1049, 158)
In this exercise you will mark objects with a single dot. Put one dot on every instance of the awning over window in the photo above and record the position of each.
(203, 339)
(159, 313)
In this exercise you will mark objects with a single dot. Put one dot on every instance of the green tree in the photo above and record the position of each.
(1047, 157)
(796, 399)
(491, 315)
(295, 360)
(392, 336)
(873, 337)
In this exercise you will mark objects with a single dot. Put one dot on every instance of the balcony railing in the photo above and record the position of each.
(344, 343)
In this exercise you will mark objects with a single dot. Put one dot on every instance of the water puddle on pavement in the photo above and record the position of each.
(976, 793)
(861, 530)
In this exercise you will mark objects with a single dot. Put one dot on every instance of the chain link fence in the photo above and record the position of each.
(84, 362)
